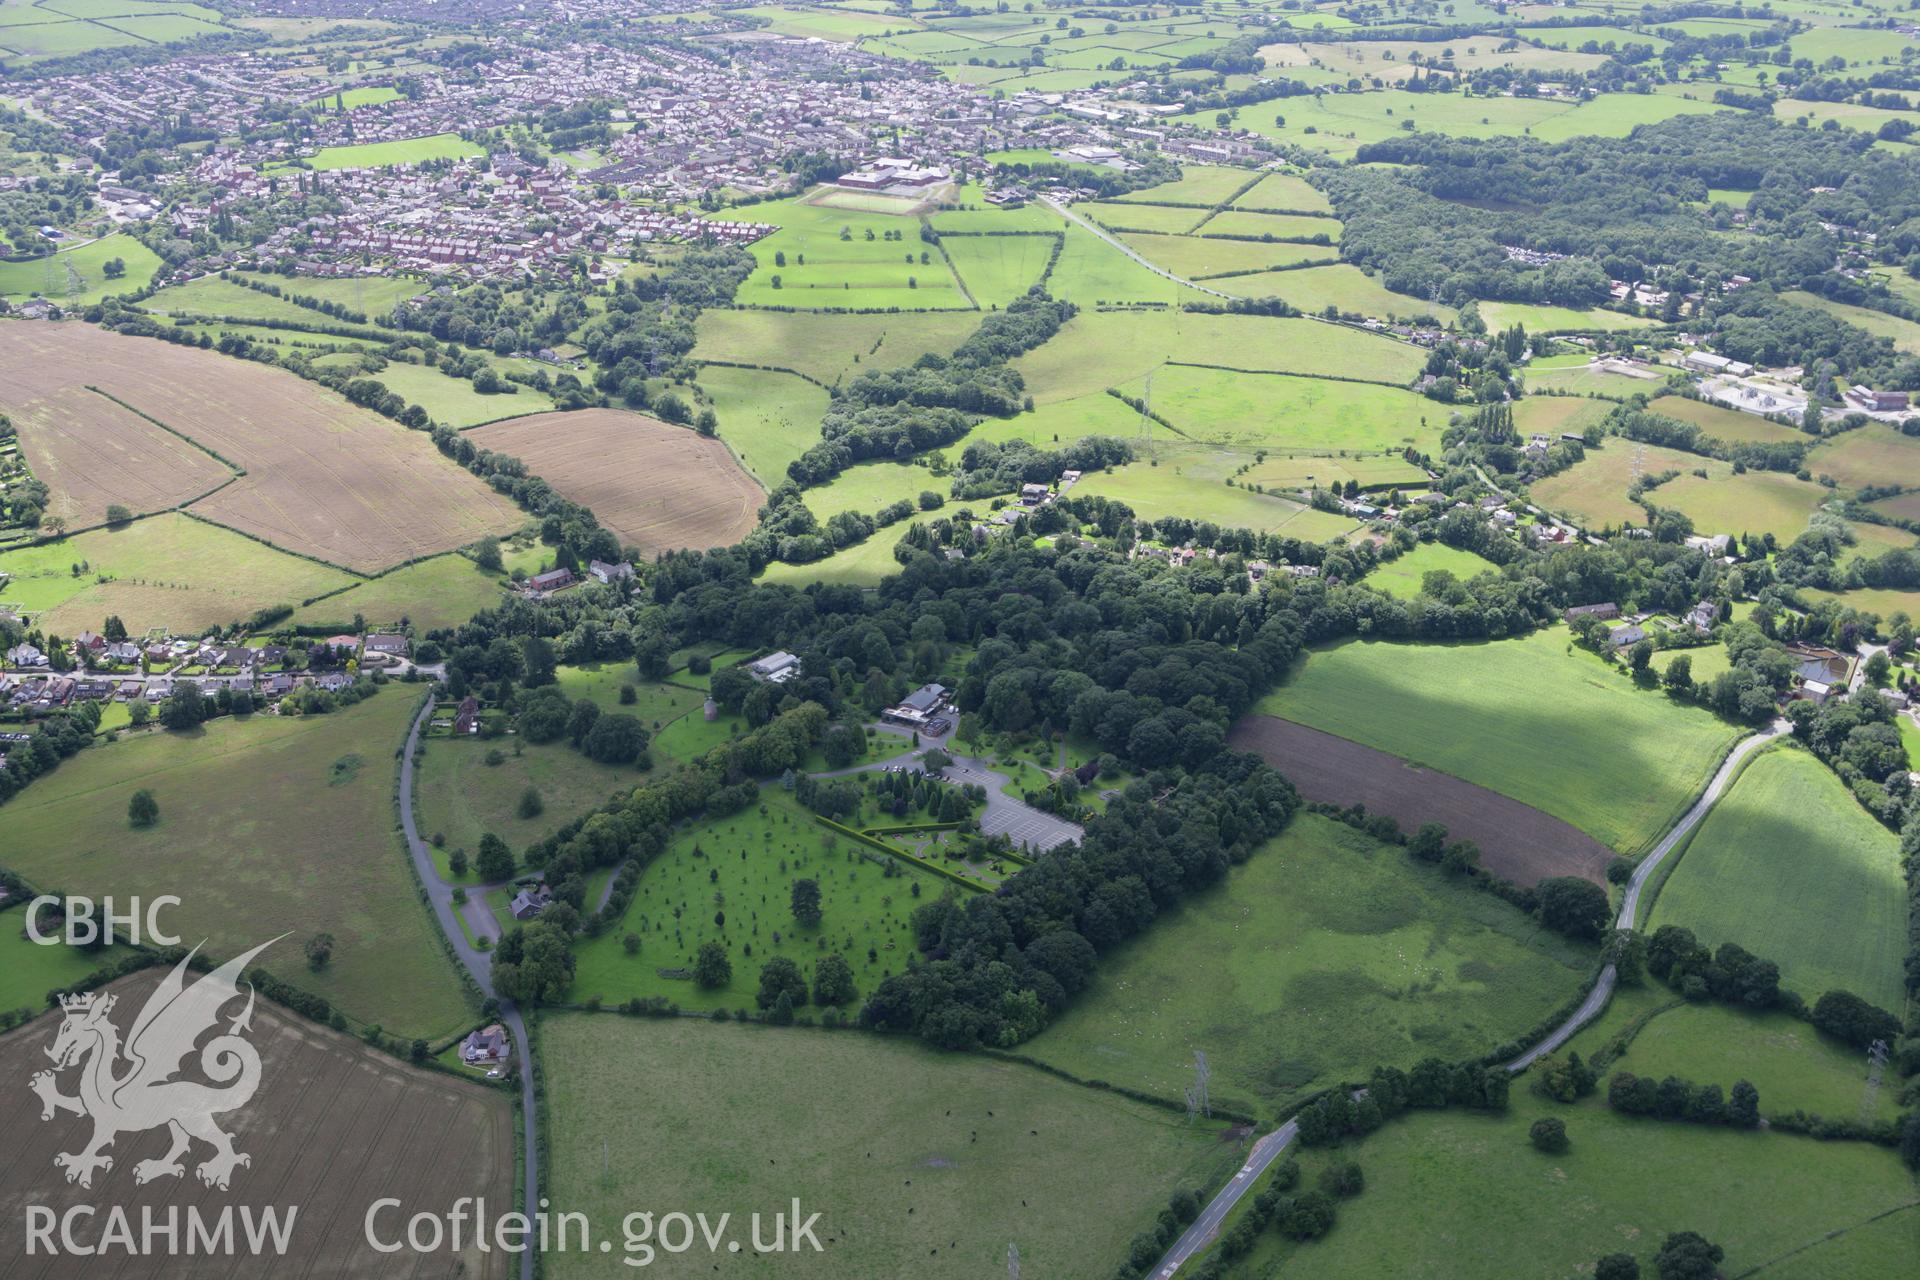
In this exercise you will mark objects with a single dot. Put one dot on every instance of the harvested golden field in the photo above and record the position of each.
(335, 1125)
(658, 487)
(92, 454)
(323, 478)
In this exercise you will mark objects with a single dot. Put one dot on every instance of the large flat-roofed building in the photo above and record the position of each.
(919, 706)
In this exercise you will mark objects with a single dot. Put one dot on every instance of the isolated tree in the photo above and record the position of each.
(711, 968)
(781, 976)
(486, 554)
(616, 738)
(457, 862)
(143, 810)
(833, 981)
(1687, 1255)
(1575, 907)
(1617, 1266)
(1679, 680)
(495, 860)
(117, 515)
(531, 805)
(1548, 1134)
(319, 951)
(805, 901)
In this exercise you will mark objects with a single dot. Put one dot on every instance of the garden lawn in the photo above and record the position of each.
(1790, 867)
(1401, 577)
(1323, 956)
(268, 825)
(743, 867)
(1531, 718)
(863, 1129)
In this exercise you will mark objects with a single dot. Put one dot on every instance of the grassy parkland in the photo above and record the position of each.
(1324, 955)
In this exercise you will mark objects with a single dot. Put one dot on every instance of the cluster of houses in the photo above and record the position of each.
(127, 670)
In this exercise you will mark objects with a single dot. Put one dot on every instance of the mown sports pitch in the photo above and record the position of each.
(1531, 718)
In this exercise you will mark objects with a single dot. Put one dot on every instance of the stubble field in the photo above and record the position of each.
(658, 487)
(324, 478)
(335, 1126)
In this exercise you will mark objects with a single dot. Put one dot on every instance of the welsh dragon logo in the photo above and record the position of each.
(130, 1087)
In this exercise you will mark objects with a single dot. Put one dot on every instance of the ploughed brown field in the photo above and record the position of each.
(334, 1126)
(324, 478)
(1516, 840)
(656, 486)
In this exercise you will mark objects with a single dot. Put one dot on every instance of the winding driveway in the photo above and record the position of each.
(1270, 1147)
(1019, 821)
(440, 893)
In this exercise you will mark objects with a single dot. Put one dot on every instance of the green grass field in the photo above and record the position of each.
(861, 565)
(76, 277)
(1794, 1067)
(381, 155)
(1905, 333)
(1197, 258)
(443, 591)
(1324, 955)
(1166, 219)
(1555, 729)
(1760, 1196)
(29, 970)
(212, 296)
(1874, 454)
(268, 825)
(1097, 350)
(767, 419)
(1790, 867)
(1593, 491)
(831, 262)
(1280, 226)
(998, 269)
(1197, 184)
(168, 570)
(868, 487)
(1285, 193)
(1402, 577)
(1186, 484)
(1757, 502)
(829, 347)
(863, 1129)
(744, 867)
(1540, 319)
(453, 402)
(1343, 286)
(1723, 424)
(1280, 411)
